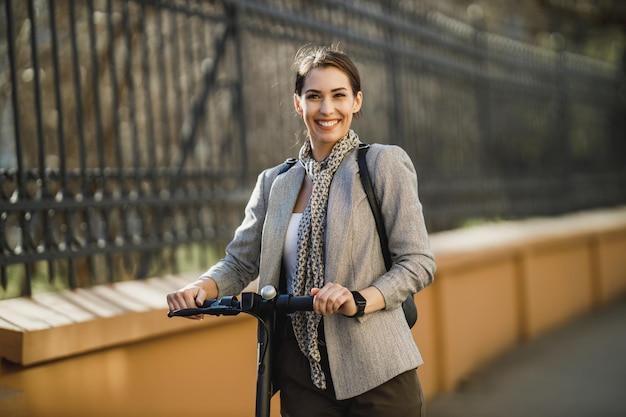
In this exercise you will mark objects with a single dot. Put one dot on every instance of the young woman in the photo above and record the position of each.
(310, 231)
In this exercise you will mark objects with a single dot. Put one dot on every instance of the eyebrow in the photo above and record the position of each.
(312, 90)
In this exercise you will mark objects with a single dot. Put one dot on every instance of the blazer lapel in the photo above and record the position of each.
(339, 216)
(282, 198)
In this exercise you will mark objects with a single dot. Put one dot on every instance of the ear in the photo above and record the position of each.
(297, 105)
(358, 101)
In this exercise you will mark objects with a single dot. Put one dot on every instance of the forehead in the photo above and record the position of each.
(326, 79)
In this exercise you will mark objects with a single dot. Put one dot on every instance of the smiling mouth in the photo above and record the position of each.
(329, 123)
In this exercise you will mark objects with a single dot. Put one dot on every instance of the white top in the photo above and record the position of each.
(290, 250)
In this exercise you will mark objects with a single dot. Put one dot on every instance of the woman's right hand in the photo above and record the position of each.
(193, 295)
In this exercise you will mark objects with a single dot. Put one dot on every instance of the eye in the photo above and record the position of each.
(312, 96)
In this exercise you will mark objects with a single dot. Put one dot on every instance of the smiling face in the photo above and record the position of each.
(327, 106)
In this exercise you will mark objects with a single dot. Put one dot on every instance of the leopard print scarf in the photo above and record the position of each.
(310, 256)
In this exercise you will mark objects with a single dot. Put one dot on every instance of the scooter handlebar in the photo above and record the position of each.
(286, 303)
(250, 302)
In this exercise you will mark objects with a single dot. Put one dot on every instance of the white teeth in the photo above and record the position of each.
(328, 124)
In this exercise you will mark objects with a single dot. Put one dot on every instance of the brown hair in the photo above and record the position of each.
(310, 57)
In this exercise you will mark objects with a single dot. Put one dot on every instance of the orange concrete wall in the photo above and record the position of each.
(611, 265)
(478, 316)
(496, 286)
(558, 284)
(502, 284)
(210, 371)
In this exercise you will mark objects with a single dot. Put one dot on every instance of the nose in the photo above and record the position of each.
(327, 107)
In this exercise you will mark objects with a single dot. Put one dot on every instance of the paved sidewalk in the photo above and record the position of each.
(578, 370)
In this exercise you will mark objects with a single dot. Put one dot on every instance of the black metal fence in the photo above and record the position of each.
(131, 131)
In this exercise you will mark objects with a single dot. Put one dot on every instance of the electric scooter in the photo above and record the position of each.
(265, 307)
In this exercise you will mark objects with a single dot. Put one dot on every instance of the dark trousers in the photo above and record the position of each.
(399, 397)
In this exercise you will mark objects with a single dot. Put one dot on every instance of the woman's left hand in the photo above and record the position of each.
(333, 298)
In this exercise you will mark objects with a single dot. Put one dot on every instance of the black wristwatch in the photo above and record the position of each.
(360, 304)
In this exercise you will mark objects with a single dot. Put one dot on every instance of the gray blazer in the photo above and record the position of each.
(366, 352)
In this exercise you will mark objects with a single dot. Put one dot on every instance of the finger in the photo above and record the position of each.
(171, 302)
(338, 298)
(179, 300)
(318, 301)
(200, 297)
(199, 300)
(189, 297)
(330, 298)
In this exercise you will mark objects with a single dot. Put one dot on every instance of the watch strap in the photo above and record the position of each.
(360, 302)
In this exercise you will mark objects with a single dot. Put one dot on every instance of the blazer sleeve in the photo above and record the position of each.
(395, 183)
(240, 265)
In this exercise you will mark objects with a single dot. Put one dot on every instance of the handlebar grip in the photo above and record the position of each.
(286, 303)
(208, 303)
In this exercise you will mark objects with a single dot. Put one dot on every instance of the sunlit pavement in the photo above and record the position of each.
(578, 370)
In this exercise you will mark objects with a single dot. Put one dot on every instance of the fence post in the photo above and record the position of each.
(481, 87)
(396, 122)
(562, 147)
(232, 14)
(618, 125)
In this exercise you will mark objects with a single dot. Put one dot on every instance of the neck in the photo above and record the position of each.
(320, 152)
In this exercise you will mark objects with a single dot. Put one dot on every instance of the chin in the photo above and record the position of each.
(330, 137)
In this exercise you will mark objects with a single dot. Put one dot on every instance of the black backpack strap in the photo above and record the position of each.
(374, 205)
(289, 162)
(408, 305)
